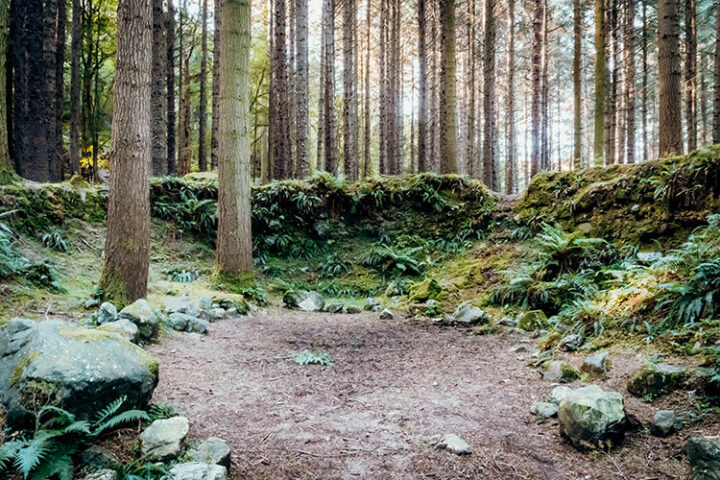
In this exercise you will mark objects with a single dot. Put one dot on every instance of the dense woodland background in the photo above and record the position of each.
(496, 90)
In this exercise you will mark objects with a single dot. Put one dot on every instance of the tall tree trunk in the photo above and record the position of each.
(448, 102)
(330, 144)
(490, 131)
(185, 128)
(170, 89)
(510, 108)
(577, 83)
(630, 81)
(202, 113)
(350, 111)
(433, 133)
(182, 10)
(75, 55)
(366, 112)
(670, 134)
(59, 89)
(716, 93)
(644, 94)
(611, 83)
(545, 163)
(383, 81)
(6, 167)
(301, 84)
(536, 101)
(127, 244)
(422, 160)
(703, 100)
(281, 124)
(691, 74)
(320, 157)
(600, 83)
(292, 89)
(233, 260)
(215, 86)
(471, 101)
(159, 95)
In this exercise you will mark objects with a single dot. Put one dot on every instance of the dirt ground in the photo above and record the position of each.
(393, 384)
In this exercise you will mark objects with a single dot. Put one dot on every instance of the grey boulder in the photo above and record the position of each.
(655, 380)
(704, 456)
(187, 323)
(106, 313)
(104, 474)
(213, 451)
(665, 422)
(591, 418)
(386, 315)
(304, 300)
(164, 439)
(352, 309)
(123, 327)
(196, 471)
(144, 316)
(559, 372)
(571, 342)
(452, 443)
(544, 409)
(466, 314)
(596, 364)
(81, 370)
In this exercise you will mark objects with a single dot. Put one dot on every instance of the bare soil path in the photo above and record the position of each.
(394, 383)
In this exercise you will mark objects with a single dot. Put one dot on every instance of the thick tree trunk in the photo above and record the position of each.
(202, 113)
(58, 165)
(215, 86)
(159, 95)
(448, 101)
(75, 55)
(644, 93)
(319, 154)
(536, 101)
(350, 111)
(6, 167)
(170, 88)
(422, 160)
(545, 163)
(510, 108)
(716, 87)
(577, 84)
(329, 131)
(691, 74)
(490, 130)
(600, 84)
(366, 111)
(301, 85)
(470, 85)
(383, 94)
(234, 241)
(281, 114)
(611, 84)
(669, 74)
(127, 244)
(630, 81)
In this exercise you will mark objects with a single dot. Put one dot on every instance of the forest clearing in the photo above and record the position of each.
(359, 239)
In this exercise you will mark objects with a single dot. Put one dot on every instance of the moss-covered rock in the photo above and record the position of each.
(654, 380)
(591, 418)
(146, 317)
(428, 289)
(532, 320)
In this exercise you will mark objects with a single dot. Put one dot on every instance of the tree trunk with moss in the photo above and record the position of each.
(490, 132)
(536, 101)
(127, 245)
(691, 74)
(6, 167)
(577, 84)
(716, 93)
(233, 260)
(448, 98)
(600, 78)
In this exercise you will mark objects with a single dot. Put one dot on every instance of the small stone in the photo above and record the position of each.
(97, 458)
(107, 313)
(386, 315)
(91, 303)
(213, 451)
(453, 444)
(144, 316)
(596, 364)
(665, 422)
(704, 456)
(104, 474)
(519, 348)
(559, 394)
(196, 471)
(352, 309)
(506, 322)
(560, 372)
(179, 321)
(304, 300)
(335, 308)
(198, 325)
(657, 379)
(466, 314)
(544, 409)
(371, 305)
(217, 314)
(123, 327)
(571, 343)
(164, 439)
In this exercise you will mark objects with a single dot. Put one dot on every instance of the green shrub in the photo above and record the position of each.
(55, 241)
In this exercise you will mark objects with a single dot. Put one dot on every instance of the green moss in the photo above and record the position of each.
(428, 289)
(234, 282)
(24, 362)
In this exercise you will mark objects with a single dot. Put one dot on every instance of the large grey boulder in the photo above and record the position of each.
(144, 316)
(592, 418)
(123, 327)
(196, 471)
(307, 301)
(213, 450)
(81, 370)
(704, 456)
(467, 314)
(596, 364)
(655, 380)
(164, 439)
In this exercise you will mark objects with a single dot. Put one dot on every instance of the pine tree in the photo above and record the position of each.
(6, 167)
(159, 95)
(127, 245)
(630, 81)
(329, 131)
(170, 89)
(600, 84)
(691, 74)
(301, 85)
(510, 168)
(577, 84)
(536, 101)
(448, 101)
(350, 110)
(669, 73)
(75, 56)
(716, 93)
(422, 160)
(202, 112)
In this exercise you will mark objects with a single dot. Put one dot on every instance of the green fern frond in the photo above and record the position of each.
(125, 417)
(110, 410)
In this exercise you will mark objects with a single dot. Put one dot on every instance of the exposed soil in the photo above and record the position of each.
(394, 384)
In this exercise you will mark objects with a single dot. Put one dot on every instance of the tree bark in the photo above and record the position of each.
(301, 84)
(329, 131)
(644, 93)
(202, 113)
(233, 259)
(281, 114)
(630, 81)
(510, 162)
(422, 160)
(127, 245)
(171, 117)
(536, 101)
(691, 74)
(611, 83)
(159, 95)
(470, 85)
(716, 93)
(6, 167)
(350, 111)
(490, 130)
(215, 86)
(670, 132)
(58, 165)
(545, 163)
(366, 112)
(448, 101)
(600, 81)
(75, 55)
(577, 84)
